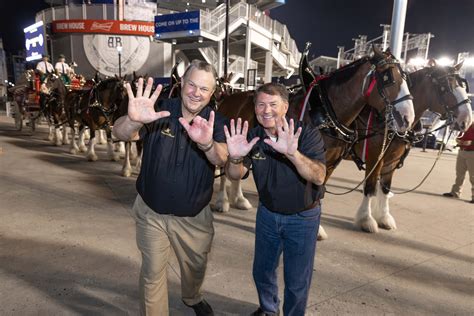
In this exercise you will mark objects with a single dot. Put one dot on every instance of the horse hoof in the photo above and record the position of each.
(242, 203)
(322, 235)
(368, 225)
(92, 157)
(58, 144)
(73, 151)
(82, 149)
(126, 173)
(222, 208)
(114, 158)
(387, 222)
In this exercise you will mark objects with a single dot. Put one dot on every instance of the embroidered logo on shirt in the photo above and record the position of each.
(167, 132)
(258, 156)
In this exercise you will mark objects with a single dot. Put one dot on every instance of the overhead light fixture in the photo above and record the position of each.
(203, 1)
(445, 61)
(173, 41)
(200, 39)
(191, 32)
(187, 3)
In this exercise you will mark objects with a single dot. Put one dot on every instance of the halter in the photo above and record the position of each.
(383, 80)
(443, 89)
(98, 104)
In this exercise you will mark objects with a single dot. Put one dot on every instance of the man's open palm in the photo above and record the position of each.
(141, 108)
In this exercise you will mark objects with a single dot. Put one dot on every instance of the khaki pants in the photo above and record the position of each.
(190, 238)
(464, 162)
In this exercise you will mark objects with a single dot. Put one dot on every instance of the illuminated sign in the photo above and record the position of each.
(103, 27)
(35, 41)
(177, 22)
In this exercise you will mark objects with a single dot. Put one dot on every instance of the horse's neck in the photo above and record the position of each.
(347, 99)
(422, 91)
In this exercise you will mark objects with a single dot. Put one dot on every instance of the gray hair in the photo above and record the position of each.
(201, 65)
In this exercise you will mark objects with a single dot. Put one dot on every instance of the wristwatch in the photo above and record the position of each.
(236, 161)
(207, 147)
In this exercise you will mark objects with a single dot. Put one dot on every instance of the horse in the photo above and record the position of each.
(94, 108)
(55, 92)
(435, 88)
(344, 91)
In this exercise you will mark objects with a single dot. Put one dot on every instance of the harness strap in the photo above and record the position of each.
(308, 94)
(372, 84)
(365, 148)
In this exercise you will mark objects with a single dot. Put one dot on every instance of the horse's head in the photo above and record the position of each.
(51, 83)
(387, 87)
(223, 88)
(452, 99)
(110, 93)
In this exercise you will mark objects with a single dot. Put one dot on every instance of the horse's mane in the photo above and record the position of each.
(417, 76)
(435, 71)
(343, 74)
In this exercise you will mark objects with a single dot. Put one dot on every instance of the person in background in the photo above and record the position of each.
(63, 69)
(464, 163)
(44, 68)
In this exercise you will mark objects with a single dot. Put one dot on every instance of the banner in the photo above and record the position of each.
(176, 22)
(103, 27)
(35, 41)
(101, 52)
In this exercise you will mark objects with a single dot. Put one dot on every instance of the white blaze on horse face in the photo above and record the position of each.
(464, 111)
(405, 108)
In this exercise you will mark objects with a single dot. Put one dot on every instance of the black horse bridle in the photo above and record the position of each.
(443, 87)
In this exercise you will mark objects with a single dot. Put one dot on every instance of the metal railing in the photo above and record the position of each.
(238, 65)
(213, 22)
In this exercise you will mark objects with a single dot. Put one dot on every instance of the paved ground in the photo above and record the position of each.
(67, 244)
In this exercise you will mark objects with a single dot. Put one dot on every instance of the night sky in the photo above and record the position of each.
(326, 23)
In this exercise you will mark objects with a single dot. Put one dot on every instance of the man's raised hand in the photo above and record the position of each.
(237, 143)
(287, 142)
(141, 108)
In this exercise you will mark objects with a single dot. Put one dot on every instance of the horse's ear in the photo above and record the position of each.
(134, 76)
(388, 51)
(431, 62)
(377, 51)
(458, 66)
(116, 77)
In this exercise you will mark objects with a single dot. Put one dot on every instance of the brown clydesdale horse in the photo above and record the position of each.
(94, 108)
(435, 88)
(343, 93)
(55, 92)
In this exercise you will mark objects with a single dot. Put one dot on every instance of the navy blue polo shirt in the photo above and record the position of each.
(280, 187)
(176, 177)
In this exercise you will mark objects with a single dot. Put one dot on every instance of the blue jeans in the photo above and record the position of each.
(295, 236)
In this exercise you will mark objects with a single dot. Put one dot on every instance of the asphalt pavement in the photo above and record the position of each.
(67, 241)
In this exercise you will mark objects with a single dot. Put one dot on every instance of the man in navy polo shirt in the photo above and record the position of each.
(183, 143)
(288, 166)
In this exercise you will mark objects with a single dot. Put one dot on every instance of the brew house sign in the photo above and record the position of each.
(101, 38)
